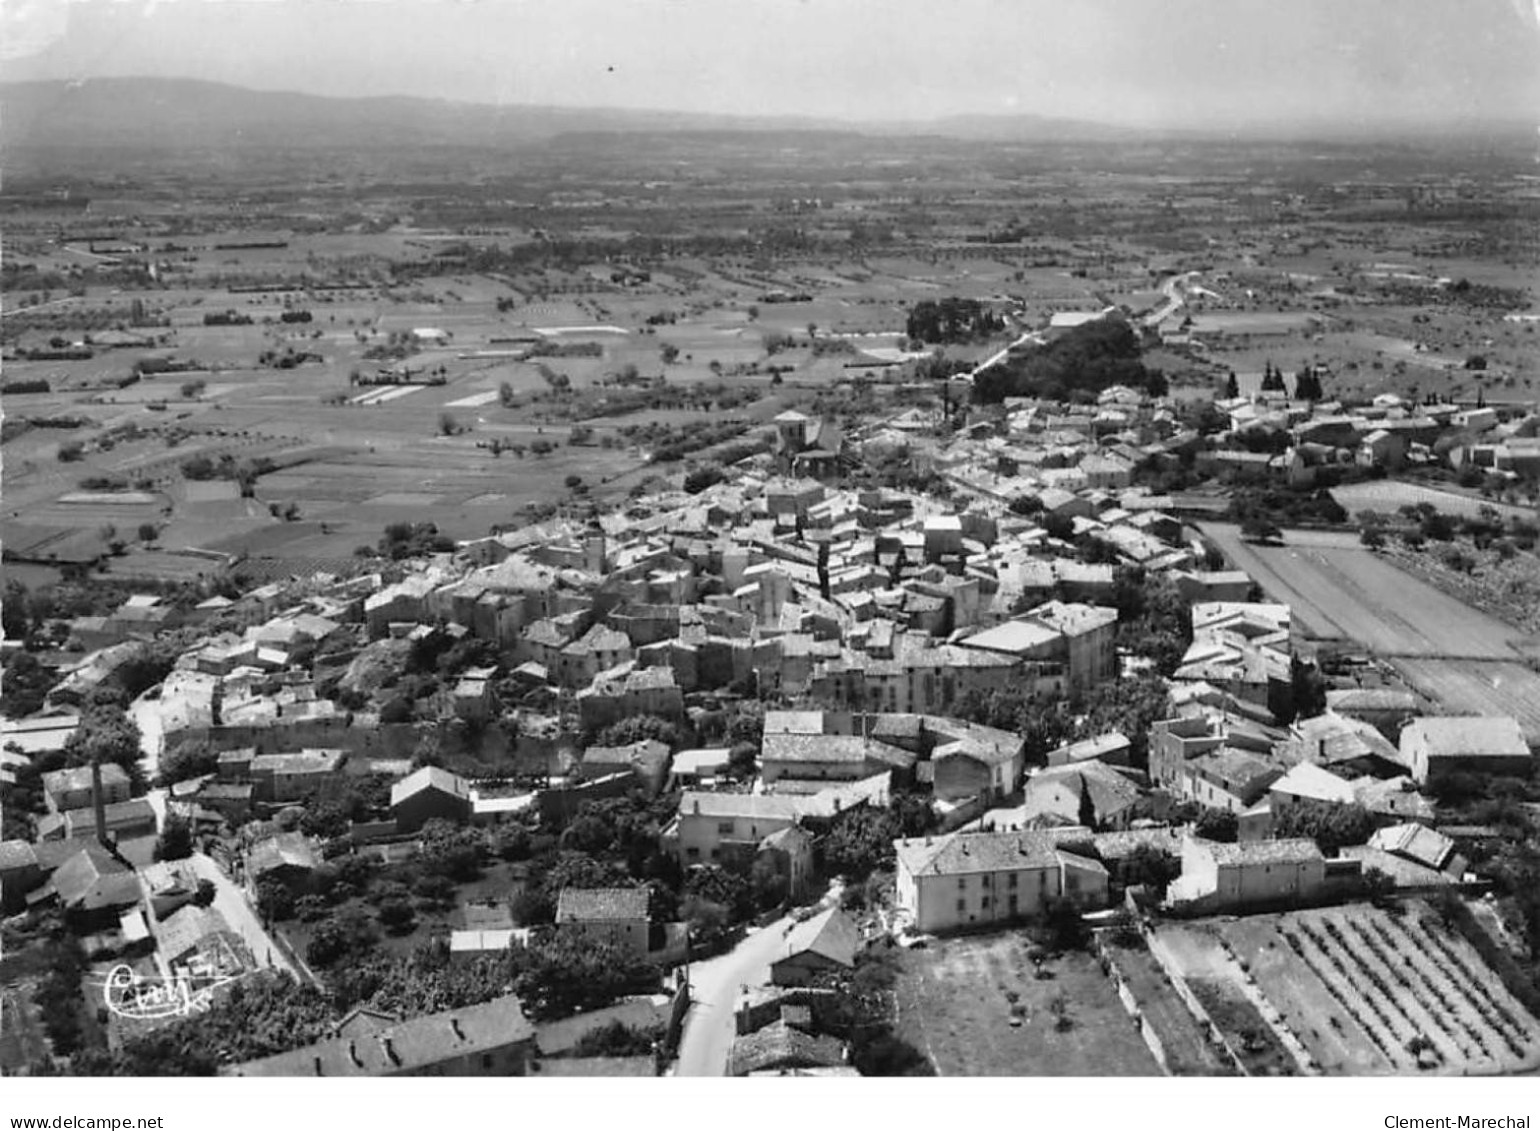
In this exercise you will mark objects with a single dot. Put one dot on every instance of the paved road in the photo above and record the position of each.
(1030, 336)
(715, 985)
(230, 901)
(1175, 289)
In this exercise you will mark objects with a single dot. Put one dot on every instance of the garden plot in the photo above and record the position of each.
(1372, 991)
(1187, 1047)
(974, 1006)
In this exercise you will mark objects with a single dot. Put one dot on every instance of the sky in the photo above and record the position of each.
(1140, 62)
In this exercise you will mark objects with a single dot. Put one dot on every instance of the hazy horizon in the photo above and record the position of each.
(1183, 63)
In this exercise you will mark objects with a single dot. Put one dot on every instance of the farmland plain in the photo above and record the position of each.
(1341, 591)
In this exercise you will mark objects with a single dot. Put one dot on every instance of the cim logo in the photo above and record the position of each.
(151, 998)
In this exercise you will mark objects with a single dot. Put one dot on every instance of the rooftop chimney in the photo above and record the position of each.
(98, 804)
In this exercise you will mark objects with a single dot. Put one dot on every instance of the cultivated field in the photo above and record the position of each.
(1360, 990)
(955, 1005)
(1390, 495)
(1339, 590)
(1187, 1048)
(1479, 687)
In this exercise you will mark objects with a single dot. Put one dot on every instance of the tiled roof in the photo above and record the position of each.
(429, 777)
(304, 762)
(584, 905)
(404, 1048)
(780, 1046)
(1470, 736)
(1295, 850)
(830, 934)
(16, 854)
(831, 748)
(751, 805)
(79, 777)
(964, 853)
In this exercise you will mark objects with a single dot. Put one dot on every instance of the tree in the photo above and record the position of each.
(1232, 387)
(617, 1039)
(560, 973)
(106, 734)
(175, 841)
(702, 477)
(397, 916)
(1150, 867)
(1059, 526)
(26, 683)
(638, 728)
(1330, 825)
(204, 895)
(275, 902)
(743, 761)
(1077, 366)
(1259, 528)
(348, 933)
(447, 425)
(187, 759)
(1218, 825)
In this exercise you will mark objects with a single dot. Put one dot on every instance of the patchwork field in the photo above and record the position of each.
(1357, 990)
(1339, 590)
(956, 1004)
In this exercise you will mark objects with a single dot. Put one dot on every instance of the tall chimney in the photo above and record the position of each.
(98, 805)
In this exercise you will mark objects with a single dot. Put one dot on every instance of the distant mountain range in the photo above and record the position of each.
(189, 114)
(145, 113)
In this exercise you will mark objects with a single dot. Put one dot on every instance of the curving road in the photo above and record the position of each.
(714, 985)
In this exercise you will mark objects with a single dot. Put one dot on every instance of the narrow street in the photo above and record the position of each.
(714, 986)
(146, 715)
(230, 901)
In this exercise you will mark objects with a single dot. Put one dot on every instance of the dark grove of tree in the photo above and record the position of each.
(1076, 367)
(952, 320)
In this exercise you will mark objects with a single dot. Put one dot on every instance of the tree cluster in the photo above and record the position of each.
(1330, 825)
(952, 320)
(1076, 367)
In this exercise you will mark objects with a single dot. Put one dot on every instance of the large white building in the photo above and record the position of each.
(1234, 875)
(1433, 747)
(973, 879)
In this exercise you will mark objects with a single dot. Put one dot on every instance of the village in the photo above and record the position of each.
(998, 734)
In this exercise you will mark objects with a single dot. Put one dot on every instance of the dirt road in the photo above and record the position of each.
(715, 984)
